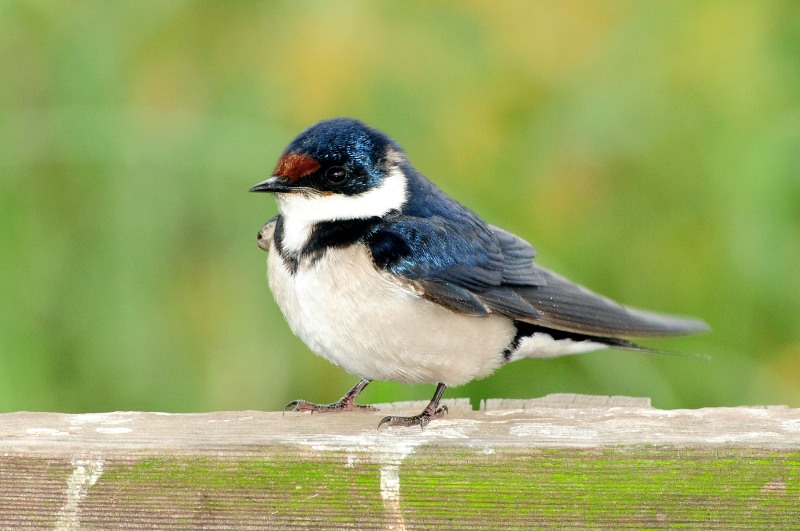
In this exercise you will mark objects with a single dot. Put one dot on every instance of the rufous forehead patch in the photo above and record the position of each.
(296, 165)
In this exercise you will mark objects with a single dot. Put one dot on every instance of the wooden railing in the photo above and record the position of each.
(563, 460)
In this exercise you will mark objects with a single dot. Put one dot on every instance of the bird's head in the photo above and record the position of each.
(338, 169)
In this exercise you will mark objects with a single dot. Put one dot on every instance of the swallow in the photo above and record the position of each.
(382, 274)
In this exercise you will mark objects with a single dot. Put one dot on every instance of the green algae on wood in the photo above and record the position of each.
(604, 463)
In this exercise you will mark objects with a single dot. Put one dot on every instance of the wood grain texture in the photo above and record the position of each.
(560, 461)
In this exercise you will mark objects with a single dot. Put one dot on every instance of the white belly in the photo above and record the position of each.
(359, 319)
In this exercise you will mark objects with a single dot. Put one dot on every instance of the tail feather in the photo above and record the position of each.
(563, 305)
(534, 341)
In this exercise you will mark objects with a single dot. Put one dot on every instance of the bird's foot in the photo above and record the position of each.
(346, 403)
(341, 405)
(420, 420)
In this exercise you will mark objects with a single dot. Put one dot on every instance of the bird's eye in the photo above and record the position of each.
(336, 175)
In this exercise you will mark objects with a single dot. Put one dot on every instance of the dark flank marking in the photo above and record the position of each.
(296, 165)
(527, 330)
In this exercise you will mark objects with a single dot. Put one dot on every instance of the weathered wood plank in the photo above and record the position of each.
(564, 460)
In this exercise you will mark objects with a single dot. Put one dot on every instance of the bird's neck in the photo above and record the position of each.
(296, 241)
(314, 216)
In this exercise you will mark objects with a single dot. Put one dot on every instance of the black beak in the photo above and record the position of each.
(274, 184)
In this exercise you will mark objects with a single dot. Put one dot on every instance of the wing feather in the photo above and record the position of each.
(457, 260)
(463, 270)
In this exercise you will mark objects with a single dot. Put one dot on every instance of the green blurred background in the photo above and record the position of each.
(649, 150)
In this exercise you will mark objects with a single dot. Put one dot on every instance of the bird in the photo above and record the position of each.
(383, 274)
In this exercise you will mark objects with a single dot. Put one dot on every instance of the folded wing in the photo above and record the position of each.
(476, 269)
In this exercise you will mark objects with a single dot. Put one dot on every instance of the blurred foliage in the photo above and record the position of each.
(650, 150)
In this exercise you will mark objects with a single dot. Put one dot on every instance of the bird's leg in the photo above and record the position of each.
(346, 403)
(431, 411)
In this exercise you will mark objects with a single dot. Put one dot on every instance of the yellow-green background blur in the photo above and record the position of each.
(649, 150)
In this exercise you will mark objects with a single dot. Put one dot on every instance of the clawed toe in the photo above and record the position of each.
(346, 403)
(420, 420)
(302, 405)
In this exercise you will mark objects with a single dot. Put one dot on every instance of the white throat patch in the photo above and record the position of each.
(302, 211)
